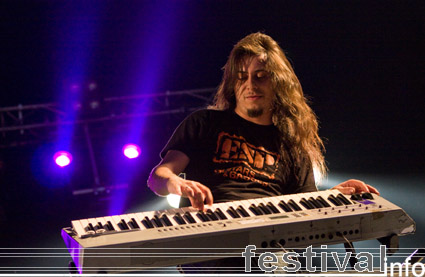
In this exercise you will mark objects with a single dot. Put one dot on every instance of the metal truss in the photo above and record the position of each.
(25, 124)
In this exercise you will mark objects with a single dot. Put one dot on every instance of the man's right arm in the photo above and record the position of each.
(164, 180)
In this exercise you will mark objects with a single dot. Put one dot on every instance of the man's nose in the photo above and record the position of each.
(251, 82)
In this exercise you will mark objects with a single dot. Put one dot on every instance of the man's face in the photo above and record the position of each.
(253, 90)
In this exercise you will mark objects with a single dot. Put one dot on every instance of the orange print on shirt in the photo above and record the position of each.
(256, 161)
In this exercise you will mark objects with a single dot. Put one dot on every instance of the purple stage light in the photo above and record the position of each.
(131, 151)
(62, 158)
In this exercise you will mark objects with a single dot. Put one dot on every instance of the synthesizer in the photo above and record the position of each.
(185, 235)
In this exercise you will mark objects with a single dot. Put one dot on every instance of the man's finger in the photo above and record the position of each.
(372, 189)
(187, 191)
(208, 197)
(346, 190)
(196, 204)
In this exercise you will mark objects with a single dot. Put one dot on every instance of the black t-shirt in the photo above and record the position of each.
(235, 158)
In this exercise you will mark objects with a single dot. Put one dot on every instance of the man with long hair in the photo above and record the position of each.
(258, 139)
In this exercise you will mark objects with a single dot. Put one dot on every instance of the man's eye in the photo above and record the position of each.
(242, 77)
(261, 74)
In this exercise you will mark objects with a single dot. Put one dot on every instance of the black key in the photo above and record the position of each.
(255, 210)
(306, 204)
(272, 208)
(264, 208)
(367, 195)
(147, 222)
(189, 217)
(323, 201)
(164, 218)
(285, 206)
(335, 200)
(179, 219)
(344, 199)
(133, 223)
(123, 225)
(89, 228)
(202, 216)
(108, 226)
(99, 227)
(220, 214)
(356, 196)
(316, 203)
(157, 221)
(233, 213)
(212, 215)
(242, 211)
(294, 205)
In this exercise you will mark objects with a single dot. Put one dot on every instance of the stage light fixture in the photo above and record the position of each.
(173, 200)
(62, 158)
(131, 151)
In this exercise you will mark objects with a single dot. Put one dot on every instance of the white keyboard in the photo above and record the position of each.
(297, 220)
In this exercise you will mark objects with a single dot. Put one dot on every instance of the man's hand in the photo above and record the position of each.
(355, 186)
(164, 180)
(197, 193)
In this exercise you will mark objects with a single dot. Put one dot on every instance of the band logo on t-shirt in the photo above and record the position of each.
(250, 162)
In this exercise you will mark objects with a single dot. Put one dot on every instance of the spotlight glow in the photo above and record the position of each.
(131, 151)
(173, 200)
(62, 158)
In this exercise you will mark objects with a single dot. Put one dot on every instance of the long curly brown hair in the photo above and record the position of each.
(292, 115)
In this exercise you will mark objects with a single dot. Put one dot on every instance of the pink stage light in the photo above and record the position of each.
(62, 158)
(131, 151)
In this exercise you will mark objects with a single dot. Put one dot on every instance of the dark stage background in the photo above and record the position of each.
(361, 63)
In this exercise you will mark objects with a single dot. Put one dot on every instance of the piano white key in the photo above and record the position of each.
(85, 224)
(78, 228)
(117, 219)
(136, 219)
(139, 217)
(102, 221)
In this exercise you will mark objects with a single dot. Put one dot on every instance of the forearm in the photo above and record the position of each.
(159, 178)
(164, 180)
